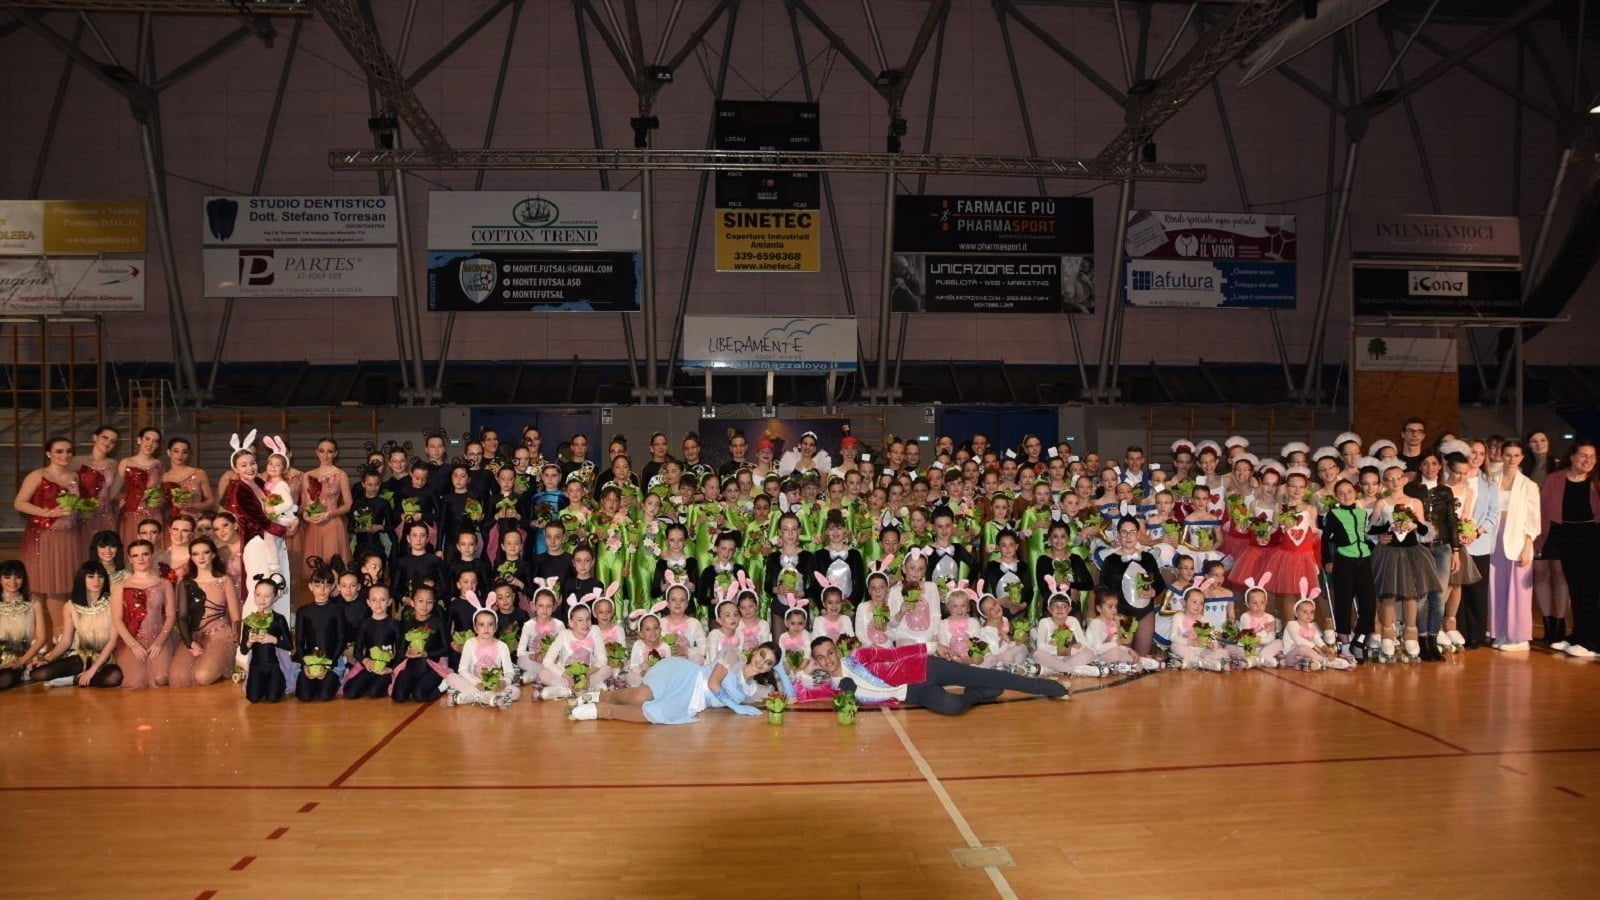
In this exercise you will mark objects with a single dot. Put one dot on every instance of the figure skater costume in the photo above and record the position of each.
(144, 615)
(920, 606)
(1298, 553)
(51, 549)
(380, 646)
(611, 559)
(264, 552)
(269, 670)
(203, 621)
(872, 624)
(1114, 572)
(467, 686)
(537, 639)
(16, 636)
(1268, 647)
(1403, 567)
(330, 538)
(141, 486)
(832, 627)
(1186, 646)
(681, 689)
(95, 481)
(419, 679)
(1305, 643)
(92, 630)
(319, 634)
(566, 650)
(1064, 656)
(1100, 640)
(957, 634)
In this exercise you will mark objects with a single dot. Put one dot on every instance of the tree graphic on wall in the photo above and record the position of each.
(1377, 348)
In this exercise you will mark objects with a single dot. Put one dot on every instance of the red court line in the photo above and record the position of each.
(278, 833)
(844, 782)
(307, 808)
(384, 742)
(205, 895)
(243, 862)
(1567, 790)
(1376, 715)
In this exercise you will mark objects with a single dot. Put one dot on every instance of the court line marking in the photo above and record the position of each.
(999, 880)
(1362, 709)
(842, 782)
(382, 743)
(1567, 790)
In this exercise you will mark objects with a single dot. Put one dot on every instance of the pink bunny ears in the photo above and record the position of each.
(595, 596)
(1056, 590)
(551, 586)
(276, 445)
(798, 605)
(638, 616)
(478, 606)
(1308, 596)
(881, 568)
(1252, 584)
(737, 588)
(962, 587)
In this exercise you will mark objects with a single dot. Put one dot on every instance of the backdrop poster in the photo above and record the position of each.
(300, 271)
(769, 343)
(300, 221)
(1399, 377)
(1215, 260)
(784, 434)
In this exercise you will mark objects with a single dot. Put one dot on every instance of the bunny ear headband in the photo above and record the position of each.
(240, 446)
(478, 606)
(1057, 592)
(575, 602)
(798, 604)
(638, 616)
(1308, 594)
(1252, 584)
(825, 581)
(276, 445)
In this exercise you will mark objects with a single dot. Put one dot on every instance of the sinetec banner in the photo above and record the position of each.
(516, 251)
(769, 343)
(53, 286)
(71, 227)
(367, 220)
(1214, 260)
(993, 254)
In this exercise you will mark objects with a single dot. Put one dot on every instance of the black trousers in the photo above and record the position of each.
(324, 688)
(1472, 618)
(416, 682)
(1579, 552)
(1353, 591)
(72, 664)
(263, 680)
(979, 684)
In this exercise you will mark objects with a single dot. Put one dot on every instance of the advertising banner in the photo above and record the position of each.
(555, 281)
(1397, 377)
(1427, 291)
(52, 286)
(524, 220)
(769, 240)
(300, 272)
(1208, 259)
(769, 343)
(768, 221)
(1494, 240)
(71, 227)
(993, 254)
(925, 282)
(299, 221)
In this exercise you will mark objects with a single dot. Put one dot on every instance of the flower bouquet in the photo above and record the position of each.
(1229, 633)
(1014, 594)
(523, 483)
(1262, 527)
(411, 508)
(788, 582)
(460, 638)
(364, 523)
(1402, 515)
(509, 636)
(1062, 570)
(616, 655)
(258, 623)
(724, 580)
(378, 659)
(1326, 502)
(1062, 640)
(1288, 516)
(312, 510)
(1238, 513)
(506, 571)
(653, 657)
(474, 510)
(911, 599)
(78, 506)
(847, 644)
(978, 651)
(579, 673)
(542, 513)
(1467, 529)
(154, 497)
(793, 659)
(1204, 539)
(1205, 634)
(544, 644)
(417, 638)
(1249, 642)
(1019, 631)
(505, 505)
(181, 496)
(1183, 491)
(1091, 520)
(1127, 626)
(880, 616)
(845, 705)
(317, 665)
(775, 704)
(1142, 582)
(491, 678)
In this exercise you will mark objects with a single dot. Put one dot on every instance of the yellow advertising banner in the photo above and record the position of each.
(769, 240)
(90, 227)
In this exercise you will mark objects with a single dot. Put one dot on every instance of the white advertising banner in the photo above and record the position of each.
(531, 220)
(21, 227)
(52, 286)
(1388, 353)
(769, 343)
(299, 221)
(301, 272)
(1484, 240)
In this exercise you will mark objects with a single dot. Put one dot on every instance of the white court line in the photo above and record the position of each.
(995, 875)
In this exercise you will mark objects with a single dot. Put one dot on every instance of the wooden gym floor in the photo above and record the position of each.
(1476, 777)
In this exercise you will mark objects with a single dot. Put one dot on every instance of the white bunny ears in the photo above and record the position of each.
(1308, 594)
(240, 446)
(637, 617)
(1252, 584)
(595, 596)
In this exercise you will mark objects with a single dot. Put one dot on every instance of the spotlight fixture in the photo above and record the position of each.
(897, 130)
(384, 128)
(888, 78)
(642, 126)
(658, 74)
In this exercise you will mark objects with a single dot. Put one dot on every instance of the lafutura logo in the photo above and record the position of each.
(1172, 281)
(536, 212)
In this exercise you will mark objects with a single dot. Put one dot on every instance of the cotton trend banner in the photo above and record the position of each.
(519, 251)
(1213, 260)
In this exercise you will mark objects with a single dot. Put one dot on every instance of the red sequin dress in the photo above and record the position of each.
(92, 482)
(144, 614)
(50, 546)
(136, 482)
(195, 498)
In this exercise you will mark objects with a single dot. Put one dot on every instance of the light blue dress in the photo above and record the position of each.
(682, 688)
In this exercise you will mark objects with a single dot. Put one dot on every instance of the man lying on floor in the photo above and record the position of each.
(910, 675)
